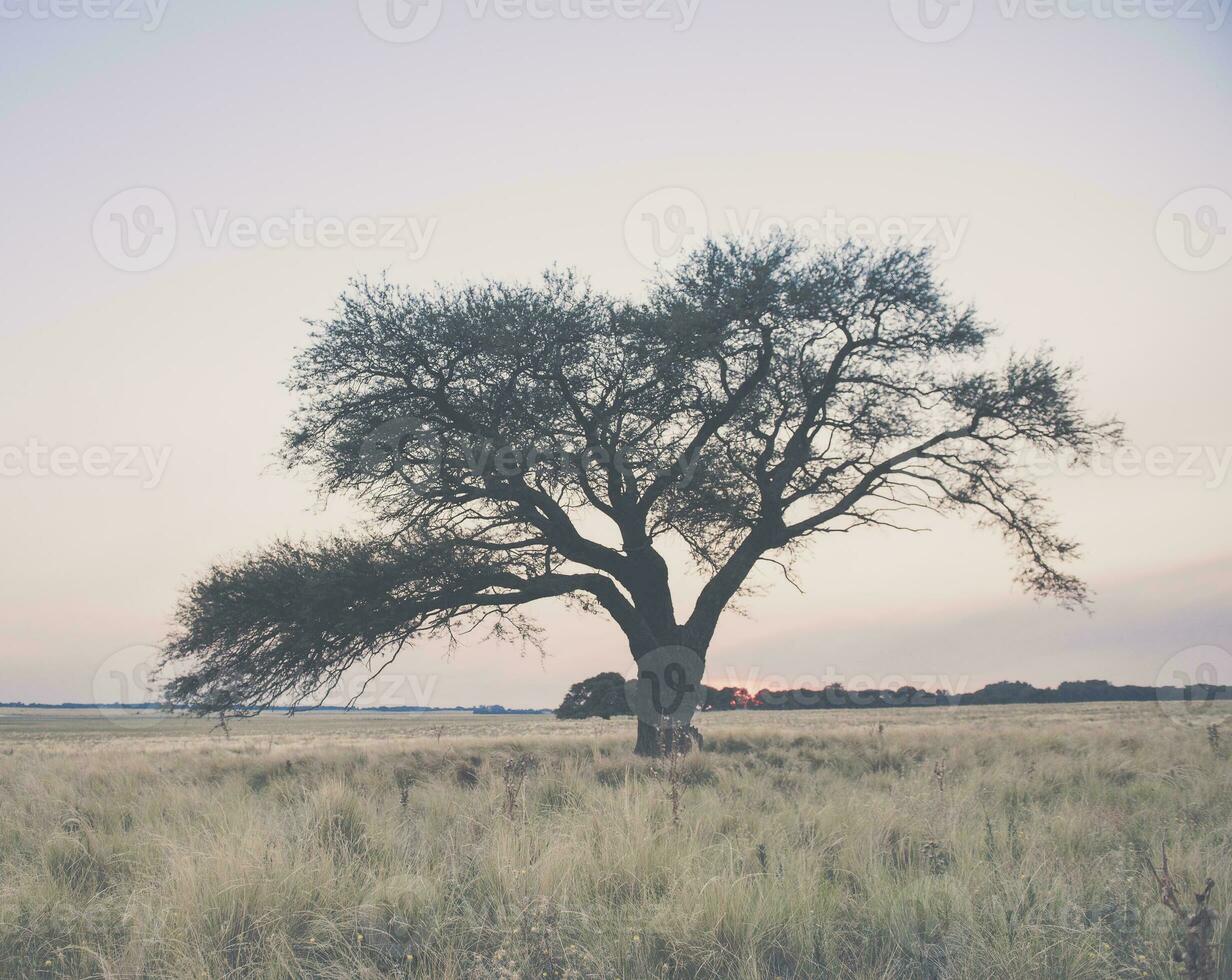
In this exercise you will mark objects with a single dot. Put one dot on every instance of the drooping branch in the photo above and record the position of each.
(286, 624)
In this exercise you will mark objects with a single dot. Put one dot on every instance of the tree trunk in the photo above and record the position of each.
(667, 692)
(647, 741)
(652, 741)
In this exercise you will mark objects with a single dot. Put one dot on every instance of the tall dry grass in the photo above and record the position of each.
(809, 844)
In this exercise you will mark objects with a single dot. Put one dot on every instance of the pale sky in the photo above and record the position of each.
(1073, 171)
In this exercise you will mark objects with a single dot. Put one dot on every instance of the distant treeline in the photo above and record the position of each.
(603, 696)
(1000, 692)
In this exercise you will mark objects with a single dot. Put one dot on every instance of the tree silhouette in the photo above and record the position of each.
(520, 442)
(600, 696)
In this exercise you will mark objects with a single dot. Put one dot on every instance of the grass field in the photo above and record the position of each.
(967, 843)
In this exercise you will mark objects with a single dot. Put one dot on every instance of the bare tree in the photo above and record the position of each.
(519, 442)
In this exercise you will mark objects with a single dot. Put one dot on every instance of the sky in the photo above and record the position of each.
(185, 183)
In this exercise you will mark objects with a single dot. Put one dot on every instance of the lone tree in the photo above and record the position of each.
(521, 442)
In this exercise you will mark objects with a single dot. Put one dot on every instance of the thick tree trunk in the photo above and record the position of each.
(667, 693)
(647, 740)
(652, 741)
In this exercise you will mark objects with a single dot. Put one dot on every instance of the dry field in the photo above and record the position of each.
(963, 843)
